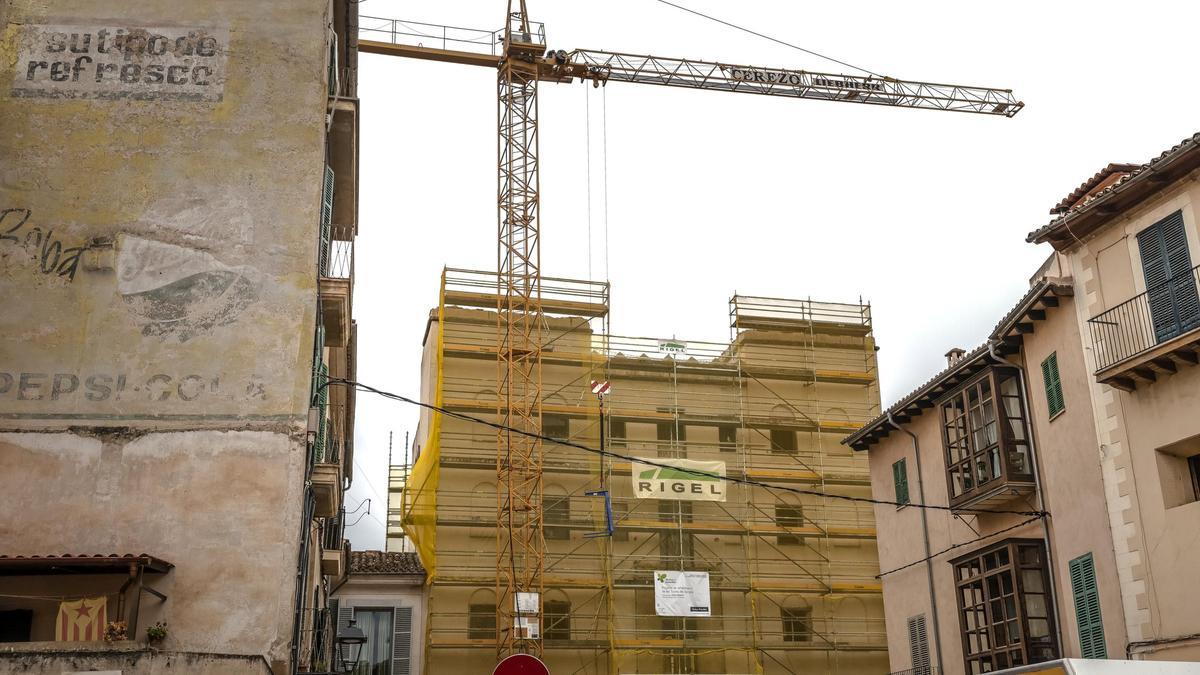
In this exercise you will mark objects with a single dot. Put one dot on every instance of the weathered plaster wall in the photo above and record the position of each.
(157, 281)
(143, 239)
(1069, 458)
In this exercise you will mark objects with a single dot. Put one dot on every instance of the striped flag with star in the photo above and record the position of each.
(81, 620)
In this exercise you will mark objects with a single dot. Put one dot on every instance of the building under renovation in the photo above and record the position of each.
(791, 576)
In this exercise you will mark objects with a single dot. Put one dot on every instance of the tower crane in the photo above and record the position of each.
(522, 61)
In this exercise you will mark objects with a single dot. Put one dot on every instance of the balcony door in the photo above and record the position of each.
(1170, 279)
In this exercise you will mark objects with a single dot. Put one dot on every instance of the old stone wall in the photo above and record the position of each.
(160, 183)
(128, 660)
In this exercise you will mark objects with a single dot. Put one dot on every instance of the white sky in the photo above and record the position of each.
(921, 213)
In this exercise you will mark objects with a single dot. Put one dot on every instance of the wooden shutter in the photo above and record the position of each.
(1053, 383)
(900, 480)
(1183, 279)
(1170, 282)
(402, 641)
(326, 221)
(322, 404)
(918, 643)
(1087, 608)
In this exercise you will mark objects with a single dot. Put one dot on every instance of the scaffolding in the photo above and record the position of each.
(792, 577)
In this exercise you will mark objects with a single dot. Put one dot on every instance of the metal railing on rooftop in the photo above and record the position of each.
(420, 34)
(1161, 313)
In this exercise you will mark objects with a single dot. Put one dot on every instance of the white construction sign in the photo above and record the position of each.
(681, 594)
(681, 479)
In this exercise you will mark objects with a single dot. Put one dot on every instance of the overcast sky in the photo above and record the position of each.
(921, 213)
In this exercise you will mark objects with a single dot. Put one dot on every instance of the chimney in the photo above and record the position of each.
(955, 355)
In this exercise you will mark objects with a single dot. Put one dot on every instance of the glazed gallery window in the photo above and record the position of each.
(985, 436)
(1005, 607)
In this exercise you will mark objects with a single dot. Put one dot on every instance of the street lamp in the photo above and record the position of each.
(350, 641)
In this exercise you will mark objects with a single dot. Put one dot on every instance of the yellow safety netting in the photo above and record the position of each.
(420, 493)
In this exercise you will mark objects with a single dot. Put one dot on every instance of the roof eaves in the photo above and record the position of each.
(1028, 302)
(1135, 178)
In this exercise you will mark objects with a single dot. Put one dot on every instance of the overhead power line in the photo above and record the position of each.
(768, 37)
(963, 543)
(629, 458)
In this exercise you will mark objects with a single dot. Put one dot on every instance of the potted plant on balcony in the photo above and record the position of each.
(116, 631)
(156, 634)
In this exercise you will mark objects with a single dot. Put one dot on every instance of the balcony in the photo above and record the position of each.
(336, 275)
(334, 546)
(1150, 335)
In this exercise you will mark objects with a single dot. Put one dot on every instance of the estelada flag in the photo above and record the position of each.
(81, 620)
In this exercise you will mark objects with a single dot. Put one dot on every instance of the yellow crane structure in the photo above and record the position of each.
(519, 54)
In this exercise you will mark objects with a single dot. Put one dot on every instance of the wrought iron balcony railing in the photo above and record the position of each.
(337, 252)
(1162, 313)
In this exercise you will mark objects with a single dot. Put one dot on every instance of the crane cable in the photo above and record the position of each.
(768, 37)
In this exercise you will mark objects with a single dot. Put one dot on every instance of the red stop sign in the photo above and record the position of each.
(521, 664)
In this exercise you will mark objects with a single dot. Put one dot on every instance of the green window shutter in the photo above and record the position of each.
(326, 220)
(1054, 392)
(1087, 608)
(322, 404)
(900, 480)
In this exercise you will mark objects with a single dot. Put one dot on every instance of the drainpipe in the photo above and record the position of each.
(1037, 481)
(937, 633)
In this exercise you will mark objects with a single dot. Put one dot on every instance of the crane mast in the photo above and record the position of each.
(520, 545)
(523, 62)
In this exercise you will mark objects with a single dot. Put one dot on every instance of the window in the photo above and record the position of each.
(1053, 383)
(1087, 608)
(617, 434)
(557, 614)
(376, 655)
(727, 437)
(16, 625)
(797, 624)
(1005, 607)
(674, 544)
(1179, 472)
(481, 621)
(670, 433)
(789, 516)
(900, 480)
(556, 510)
(783, 441)
(918, 644)
(985, 438)
(1170, 280)
(556, 426)
(1194, 469)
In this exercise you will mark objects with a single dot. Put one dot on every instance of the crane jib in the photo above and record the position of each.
(801, 79)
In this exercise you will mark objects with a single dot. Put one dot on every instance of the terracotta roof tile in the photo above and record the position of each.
(1133, 175)
(385, 562)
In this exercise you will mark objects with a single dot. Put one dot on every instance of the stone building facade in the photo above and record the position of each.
(177, 201)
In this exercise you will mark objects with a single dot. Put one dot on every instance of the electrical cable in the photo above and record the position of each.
(648, 462)
(768, 37)
(964, 543)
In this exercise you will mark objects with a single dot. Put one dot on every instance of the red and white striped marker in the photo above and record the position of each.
(600, 388)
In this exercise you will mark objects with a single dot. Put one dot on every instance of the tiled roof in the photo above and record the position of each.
(1137, 175)
(862, 438)
(385, 562)
(95, 561)
(1090, 184)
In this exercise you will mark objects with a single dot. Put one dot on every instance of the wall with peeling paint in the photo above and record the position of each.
(157, 270)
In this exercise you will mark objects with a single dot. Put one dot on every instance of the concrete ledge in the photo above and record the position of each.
(127, 658)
